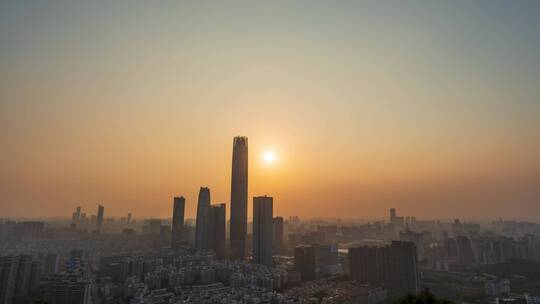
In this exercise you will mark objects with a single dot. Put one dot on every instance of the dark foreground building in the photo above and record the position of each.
(393, 267)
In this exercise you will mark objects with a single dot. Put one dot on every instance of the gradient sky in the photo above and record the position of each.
(432, 107)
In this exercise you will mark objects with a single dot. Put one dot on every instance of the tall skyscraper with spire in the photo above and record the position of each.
(239, 198)
(177, 234)
(202, 221)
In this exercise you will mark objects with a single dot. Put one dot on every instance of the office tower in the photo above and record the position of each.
(392, 214)
(263, 230)
(99, 219)
(304, 262)
(216, 235)
(277, 225)
(392, 267)
(239, 199)
(129, 218)
(202, 220)
(177, 234)
(78, 212)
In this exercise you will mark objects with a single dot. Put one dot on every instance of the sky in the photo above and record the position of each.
(431, 107)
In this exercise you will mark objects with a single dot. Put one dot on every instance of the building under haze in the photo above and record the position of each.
(393, 267)
(202, 221)
(177, 233)
(239, 198)
(263, 230)
(99, 219)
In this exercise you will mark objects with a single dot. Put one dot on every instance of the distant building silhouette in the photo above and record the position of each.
(202, 221)
(177, 233)
(393, 267)
(99, 219)
(262, 230)
(216, 230)
(239, 199)
(398, 221)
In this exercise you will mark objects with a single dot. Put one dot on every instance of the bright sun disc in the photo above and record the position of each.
(269, 157)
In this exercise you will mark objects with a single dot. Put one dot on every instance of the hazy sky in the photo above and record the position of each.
(432, 107)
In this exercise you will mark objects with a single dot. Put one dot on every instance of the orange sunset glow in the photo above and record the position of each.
(349, 109)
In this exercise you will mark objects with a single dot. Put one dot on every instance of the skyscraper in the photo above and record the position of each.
(239, 193)
(262, 230)
(278, 233)
(99, 221)
(202, 220)
(177, 222)
(216, 235)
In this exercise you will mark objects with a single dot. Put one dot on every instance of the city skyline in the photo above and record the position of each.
(431, 108)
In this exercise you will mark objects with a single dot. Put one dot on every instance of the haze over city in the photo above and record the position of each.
(431, 108)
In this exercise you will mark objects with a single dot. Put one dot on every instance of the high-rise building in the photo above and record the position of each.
(392, 214)
(129, 218)
(239, 198)
(216, 238)
(304, 262)
(99, 220)
(177, 234)
(202, 220)
(263, 230)
(9, 266)
(393, 267)
(277, 226)
(17, 275)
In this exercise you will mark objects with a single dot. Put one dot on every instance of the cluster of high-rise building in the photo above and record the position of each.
(210, 222)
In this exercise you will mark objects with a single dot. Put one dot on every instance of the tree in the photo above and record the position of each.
(425, 297)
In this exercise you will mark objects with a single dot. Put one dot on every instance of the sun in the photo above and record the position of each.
(269, 157)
